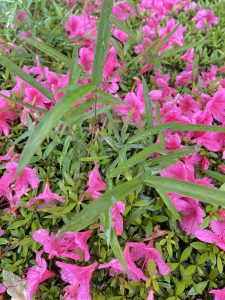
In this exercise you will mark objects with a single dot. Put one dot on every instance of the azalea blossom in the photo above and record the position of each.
(205, 18)
(219, 294)
(79, 279)
(47, 196)
(71, 244)
(36, 275)
(216, 234)
(25, 179)
(116, 268)
(95, 183)
(117, 219)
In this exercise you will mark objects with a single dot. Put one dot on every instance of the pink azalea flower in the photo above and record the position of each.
(136, 108)
(27, 177)
(151, 295)
(6, 116)
(216, 234)
(173, 142)
(36, 275)
(8, 155)
(205, 18)
(21, 15)
(135, 273)
(141, 251)
(219, 294)
(117, 222)
(188, 55)
(1, 232)
(79, 279)
(2, 288)
(24, 35)
(216, 106)
(71, 244)
(47, 196)
(210, 140)
(209, 77)
(5, 191)
(95, 183)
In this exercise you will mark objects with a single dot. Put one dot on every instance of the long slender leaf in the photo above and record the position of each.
(135, 159)
(50, 120)
(7, 63)
(123, 27)
(168, 203)
(215, 175)
(148, 105)
(189, 189)
(175, 126)
(74, 72)
(102, 43)
(49, 51)
(115, 245)
(91, 213)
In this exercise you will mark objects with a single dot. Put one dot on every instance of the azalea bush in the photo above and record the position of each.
(112, 139)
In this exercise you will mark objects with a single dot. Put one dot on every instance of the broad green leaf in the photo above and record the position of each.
(49, 51)
(115, 245)
(189, 189)
(91, 213)
(7, 63)
(168, 204)
(135, 159)
(102, 43)
(50, 120)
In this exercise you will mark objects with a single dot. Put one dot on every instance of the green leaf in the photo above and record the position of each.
(215, 175)
(74, 67)
(91, 213)
(169, 204)
(189, 189)
(135, 159)
(49, 51)
(189, 271)
(151, 268)
(7, 63)
(106, 220)
(114, 243)
(17, 224)
(102, 43)
(50, 120)
(148, 105)
(185, 254)
(123, 27)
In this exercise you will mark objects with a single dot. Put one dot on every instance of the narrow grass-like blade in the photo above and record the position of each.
(189, 189)
(135, 159)
(50, 120)
(175, 126)
(7, 63)
(102, 43)
(49, 51)
(168, 204)
(148, 105)
(91, 213)
(115, 245)
(215, 175)
(123, 27)
(74, 67)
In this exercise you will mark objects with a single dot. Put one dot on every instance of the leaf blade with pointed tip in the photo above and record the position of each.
(50, 120)
(8, 64)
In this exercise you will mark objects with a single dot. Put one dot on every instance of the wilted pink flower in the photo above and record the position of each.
(95, 183)
(24, 35)
(71, 244)
(117, 219)
(79, 279)
(216, 234)
(47, 196)
(205, 18)
(37, 275)
(219, 294)
(135, 273)
(21, 15)
(27, 177)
